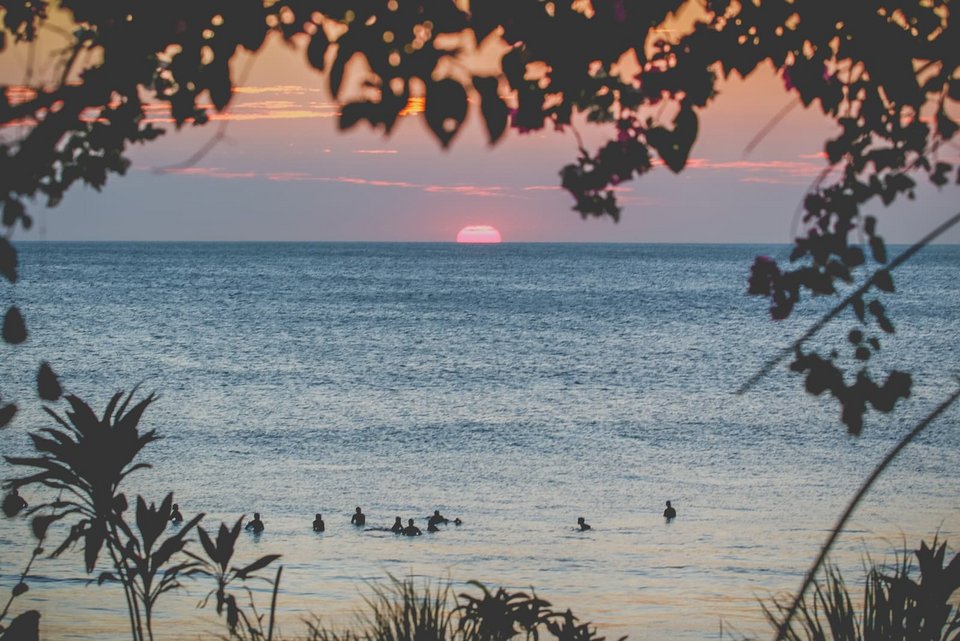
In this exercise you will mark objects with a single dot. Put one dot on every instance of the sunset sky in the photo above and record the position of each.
(284, 172)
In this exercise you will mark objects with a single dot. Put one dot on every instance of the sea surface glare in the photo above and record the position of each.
(517, 387)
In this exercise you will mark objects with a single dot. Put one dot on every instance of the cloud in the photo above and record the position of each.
(376, 152)
(374, 183)
(210, 172)
(473, 191)
(287, 90)
(768, 180)
(466, 190)
(287, 176)
(780, 167)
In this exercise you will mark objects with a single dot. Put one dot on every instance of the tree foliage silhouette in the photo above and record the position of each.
(885, 72)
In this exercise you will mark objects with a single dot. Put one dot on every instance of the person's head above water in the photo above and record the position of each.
(580, 520)
(318, 516)
(436, 512)
(256, 516)
(398, 520)
(409, 521)
(668, 503)
(358, 510)
(175, 507)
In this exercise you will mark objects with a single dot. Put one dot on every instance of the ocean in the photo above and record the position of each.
(515, 386)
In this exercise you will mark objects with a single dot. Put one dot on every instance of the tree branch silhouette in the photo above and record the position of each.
(829, 316)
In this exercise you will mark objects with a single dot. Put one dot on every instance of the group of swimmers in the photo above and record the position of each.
(359, 519)
(13, 503)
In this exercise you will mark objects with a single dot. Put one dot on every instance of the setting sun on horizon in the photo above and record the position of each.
(479, 234)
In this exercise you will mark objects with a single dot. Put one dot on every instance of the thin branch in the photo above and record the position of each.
(842, 522)
(216, 139)
(200, 154)
(829, 316)
(767, 128)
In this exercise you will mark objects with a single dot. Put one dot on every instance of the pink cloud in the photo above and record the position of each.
(771, 181)
(288, 176)
(466, 190)
(210, 172)
(375, 183)
(376, 152)
(782, 167)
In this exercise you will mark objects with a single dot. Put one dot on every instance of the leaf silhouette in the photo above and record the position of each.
(446, 109)
(494, 110)
(317, 48)
(48, 387)
(12, 211)
(8, 260)
(7, 413)
(14, 330)
(259, 564)
(674, 146)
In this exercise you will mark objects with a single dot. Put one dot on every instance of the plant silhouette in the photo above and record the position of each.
(216, 565)
(86, 462)
(501, 615)
(897, 606)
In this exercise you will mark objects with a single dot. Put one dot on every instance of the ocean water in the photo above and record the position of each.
(517, 387)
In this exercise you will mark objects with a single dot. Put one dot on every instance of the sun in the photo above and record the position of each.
(478, 234)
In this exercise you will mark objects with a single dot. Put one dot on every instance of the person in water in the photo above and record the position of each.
(436, 519)
(583, 524)
(411, 529)
(669, 513)
(13, 503)
(397, 526)
(457, 521)
(358, 518)
(318, 525)
(432, 527)
(256, 524)
(175, 516)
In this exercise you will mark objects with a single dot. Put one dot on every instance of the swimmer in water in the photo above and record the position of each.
(318, 525)
(457, 521)
(669, 513)
(397, 526)
(432, 528)
(175, 516)
(436, 519)
(411, 529)
(358, 518)
(256, 524)
(583, 524)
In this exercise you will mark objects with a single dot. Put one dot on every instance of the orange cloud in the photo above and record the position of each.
(290, 90)
(376, 152)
